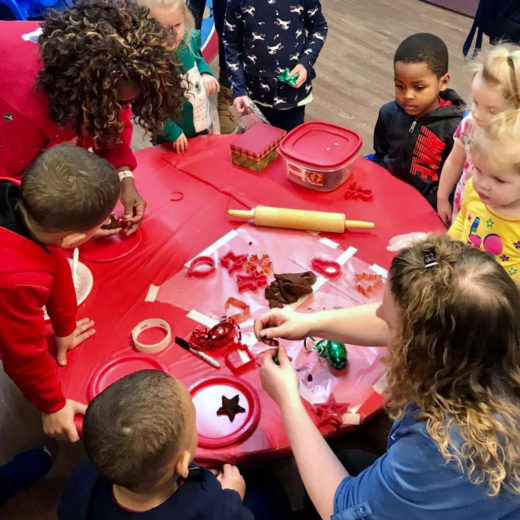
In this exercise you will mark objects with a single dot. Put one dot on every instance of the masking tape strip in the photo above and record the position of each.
(328, 242)
(346, 255)
(380, 386)
(202, 318)
(379, 270)
(152, 323)
(213, 247)
(351, 418)
(151, 295)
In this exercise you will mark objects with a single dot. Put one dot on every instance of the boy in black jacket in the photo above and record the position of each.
(414, 133)
(140, 438)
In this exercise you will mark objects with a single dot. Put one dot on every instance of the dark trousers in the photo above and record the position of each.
(219, 11)
(285, 119)
(265, 496)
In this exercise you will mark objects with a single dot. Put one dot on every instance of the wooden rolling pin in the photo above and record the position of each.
(300, 219)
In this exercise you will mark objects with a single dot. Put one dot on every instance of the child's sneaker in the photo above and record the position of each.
(24, 471)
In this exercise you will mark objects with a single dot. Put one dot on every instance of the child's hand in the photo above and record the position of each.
(61, 424)
(280, 380)
(302, 75)
(210, 84)
(133, 204)
(180, 144)
(230, 478)
(82, 332)
(400, 242)
(444, 210)
(240, 103)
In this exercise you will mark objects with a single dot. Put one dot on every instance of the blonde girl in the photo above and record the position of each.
(495, 88)
(489, 218)
(196, 75)
(450, 317)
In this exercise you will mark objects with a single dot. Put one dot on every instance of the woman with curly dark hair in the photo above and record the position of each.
(94, 64)
(450, 317)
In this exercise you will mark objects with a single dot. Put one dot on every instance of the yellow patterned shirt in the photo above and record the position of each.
(479, 226)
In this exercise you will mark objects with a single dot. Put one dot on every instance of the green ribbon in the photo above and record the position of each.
(286, 77)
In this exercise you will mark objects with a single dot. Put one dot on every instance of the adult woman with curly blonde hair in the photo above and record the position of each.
(77, 78)
(451, 319)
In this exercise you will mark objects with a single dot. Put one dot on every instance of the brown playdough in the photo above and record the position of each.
(288, 287)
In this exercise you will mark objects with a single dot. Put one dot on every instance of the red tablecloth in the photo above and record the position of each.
(176, 231)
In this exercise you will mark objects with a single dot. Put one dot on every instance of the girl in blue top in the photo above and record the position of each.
(451, 319)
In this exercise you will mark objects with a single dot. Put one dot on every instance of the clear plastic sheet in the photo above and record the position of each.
(290, 251)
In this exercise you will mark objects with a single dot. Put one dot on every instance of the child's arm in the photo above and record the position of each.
(456, 230)
(450, 174)
(28, 363)
(233, 42)
(380, 141)
(316, 27)
(320, 469)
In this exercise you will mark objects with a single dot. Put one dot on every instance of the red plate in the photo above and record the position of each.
(112, 248)
(217, 431)
(120, 367)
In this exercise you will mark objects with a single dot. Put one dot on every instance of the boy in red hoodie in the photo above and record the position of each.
(65, 196)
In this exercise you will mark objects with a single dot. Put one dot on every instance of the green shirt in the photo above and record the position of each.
(188, 53)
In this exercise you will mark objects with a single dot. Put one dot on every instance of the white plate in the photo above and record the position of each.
(83, 284)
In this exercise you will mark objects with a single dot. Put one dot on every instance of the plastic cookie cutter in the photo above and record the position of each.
(239, 358)
(201, 266)
(355, 191)
(332, 351)
(264, 263)
(235, 303)
(233, 262)
(223, 333)
(331, 412)
(368, 283)
(251, 281)
(327, 268)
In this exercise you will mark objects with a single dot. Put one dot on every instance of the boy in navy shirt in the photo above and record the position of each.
(140, 438)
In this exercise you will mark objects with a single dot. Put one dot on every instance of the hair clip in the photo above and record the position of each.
(429, 258)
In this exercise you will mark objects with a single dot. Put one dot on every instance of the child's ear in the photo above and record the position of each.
(182, 466)
(444, 81)
(71, 240)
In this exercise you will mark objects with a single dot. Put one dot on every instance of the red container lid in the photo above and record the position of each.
(321, 145)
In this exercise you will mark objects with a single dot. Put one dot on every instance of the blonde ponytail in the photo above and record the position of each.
(501, 67)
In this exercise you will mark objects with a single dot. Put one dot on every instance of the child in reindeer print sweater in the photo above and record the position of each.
(264, 37)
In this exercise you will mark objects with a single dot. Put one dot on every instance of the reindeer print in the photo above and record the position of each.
(296, 9)
(250, 11)
(257, 36)
(284, 24)
(229, 26)
(273, 49)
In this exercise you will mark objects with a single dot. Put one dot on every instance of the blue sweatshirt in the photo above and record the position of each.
(262, 38)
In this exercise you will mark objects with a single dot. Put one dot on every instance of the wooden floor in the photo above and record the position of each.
(354, 78)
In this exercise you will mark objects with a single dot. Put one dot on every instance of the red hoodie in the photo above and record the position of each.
(32, 276)
(25, 126)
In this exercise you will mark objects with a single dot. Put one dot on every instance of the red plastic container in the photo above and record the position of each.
(318, 155)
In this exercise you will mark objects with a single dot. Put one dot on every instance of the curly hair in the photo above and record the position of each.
(88, 51)
(457, 357)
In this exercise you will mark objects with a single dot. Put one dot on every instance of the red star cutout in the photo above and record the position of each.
(331, 412)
